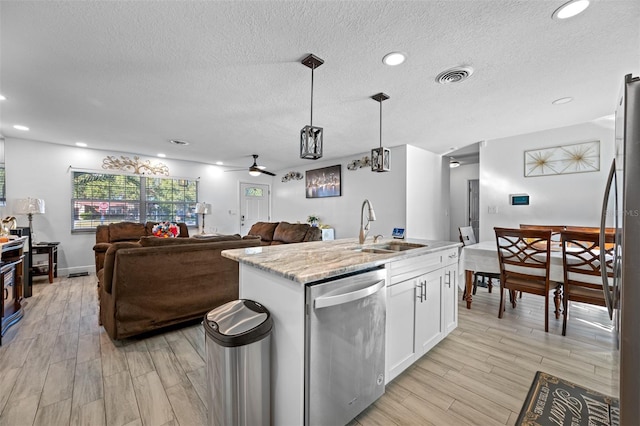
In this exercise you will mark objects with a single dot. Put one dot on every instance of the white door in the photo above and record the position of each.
(254, 205)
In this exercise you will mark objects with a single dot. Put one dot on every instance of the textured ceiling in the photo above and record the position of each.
(226, 76)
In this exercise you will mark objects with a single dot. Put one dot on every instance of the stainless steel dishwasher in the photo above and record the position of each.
(344, 347)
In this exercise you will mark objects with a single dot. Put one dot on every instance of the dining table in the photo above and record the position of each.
(483, 257)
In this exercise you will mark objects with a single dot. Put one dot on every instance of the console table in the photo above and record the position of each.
(11, 276)
(49, 268)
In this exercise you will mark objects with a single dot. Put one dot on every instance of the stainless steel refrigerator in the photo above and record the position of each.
(621, 209)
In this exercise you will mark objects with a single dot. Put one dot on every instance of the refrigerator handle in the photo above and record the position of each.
(325, 302)
(608, 294)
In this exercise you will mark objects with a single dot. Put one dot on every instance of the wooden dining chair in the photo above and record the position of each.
(524, 256)
(555, 229)
(582, 269)
(467, 238)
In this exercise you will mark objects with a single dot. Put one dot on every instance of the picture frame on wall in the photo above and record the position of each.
(324, 182)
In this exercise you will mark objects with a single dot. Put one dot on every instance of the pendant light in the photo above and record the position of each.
(310, 136)
(380, 157)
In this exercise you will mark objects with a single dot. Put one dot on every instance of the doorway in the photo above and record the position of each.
(254, 205)
(474, 206)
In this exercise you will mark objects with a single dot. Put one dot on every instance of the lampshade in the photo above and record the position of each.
(203, 208)
(29, 206)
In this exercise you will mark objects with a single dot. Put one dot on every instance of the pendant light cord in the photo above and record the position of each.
(312, 68)
(380, 124)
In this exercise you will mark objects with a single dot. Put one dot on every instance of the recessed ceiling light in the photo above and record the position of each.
(219, 163)
(394, 58)
(179, 142)
(161, 155)
(3, 98)
(562, 101)
(20, 127)
(81, 144)
(570, 9)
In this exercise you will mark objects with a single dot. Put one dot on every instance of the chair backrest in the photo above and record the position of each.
(581, 259)
(524, 253)
(467, 237)
(555, 229)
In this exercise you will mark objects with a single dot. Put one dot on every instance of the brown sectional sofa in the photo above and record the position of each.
(154, 282)
(124, 231)
(272, 233)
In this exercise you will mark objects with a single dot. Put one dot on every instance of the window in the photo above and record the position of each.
(101, 198)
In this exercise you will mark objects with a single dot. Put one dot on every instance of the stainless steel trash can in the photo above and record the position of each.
(238, 345)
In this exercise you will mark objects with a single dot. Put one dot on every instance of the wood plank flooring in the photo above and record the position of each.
(58, 367)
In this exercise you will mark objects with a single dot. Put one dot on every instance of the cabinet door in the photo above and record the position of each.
(428, 314)
(450, 298)
(401, 300)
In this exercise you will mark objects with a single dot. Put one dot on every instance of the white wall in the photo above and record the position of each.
(570, 199)
(385, 191)
(415, 198)
(42, 170)
(427, 195)
(459, 196)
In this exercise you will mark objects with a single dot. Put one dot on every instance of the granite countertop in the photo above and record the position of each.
(313, 261)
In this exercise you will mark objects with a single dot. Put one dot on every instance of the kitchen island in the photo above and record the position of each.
(421, 301)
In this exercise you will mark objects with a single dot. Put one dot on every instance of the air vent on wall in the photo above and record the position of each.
(454, 75)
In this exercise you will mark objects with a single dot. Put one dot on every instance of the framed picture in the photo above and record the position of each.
(323, 182)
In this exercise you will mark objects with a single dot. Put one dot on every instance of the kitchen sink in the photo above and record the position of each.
(391, 247)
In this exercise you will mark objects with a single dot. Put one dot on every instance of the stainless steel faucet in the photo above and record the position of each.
(364, 229)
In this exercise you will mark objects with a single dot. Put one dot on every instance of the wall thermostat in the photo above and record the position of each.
(519, 199)
(398, 233)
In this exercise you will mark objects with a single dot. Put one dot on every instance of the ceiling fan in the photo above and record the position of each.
(254, 169)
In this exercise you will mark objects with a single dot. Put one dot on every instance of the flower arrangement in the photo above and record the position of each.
(313, 219)
(166, 230)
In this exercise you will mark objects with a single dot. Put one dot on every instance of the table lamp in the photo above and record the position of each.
(30, 206)
(203, 209)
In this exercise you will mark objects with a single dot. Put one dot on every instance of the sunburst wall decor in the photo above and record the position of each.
(575, 158)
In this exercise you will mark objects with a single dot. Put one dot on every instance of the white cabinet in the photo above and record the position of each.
(428, 312)
(421, 307)
(450, 298)
(400, 327)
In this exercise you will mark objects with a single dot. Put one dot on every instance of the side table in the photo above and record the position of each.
(45, 268)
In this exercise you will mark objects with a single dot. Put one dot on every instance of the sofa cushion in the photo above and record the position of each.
(290, 232)
(264, 230)
(126, 231)
(157, 242)
(313, 234)
(109, 261)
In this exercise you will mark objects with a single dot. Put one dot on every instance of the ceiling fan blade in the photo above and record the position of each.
(236, 170)
(267, 172)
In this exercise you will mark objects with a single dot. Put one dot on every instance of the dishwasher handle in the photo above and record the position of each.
(327, 301)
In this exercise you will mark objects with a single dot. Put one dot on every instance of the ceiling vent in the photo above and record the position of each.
(454, 75)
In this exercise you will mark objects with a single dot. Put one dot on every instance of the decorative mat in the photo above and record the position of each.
(557, 402)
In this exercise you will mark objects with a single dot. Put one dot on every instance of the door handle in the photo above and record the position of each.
(608, 294)
(325, 302)
(424, 285)
(6, 293)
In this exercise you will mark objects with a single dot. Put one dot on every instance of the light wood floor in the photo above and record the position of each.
(58, 367)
